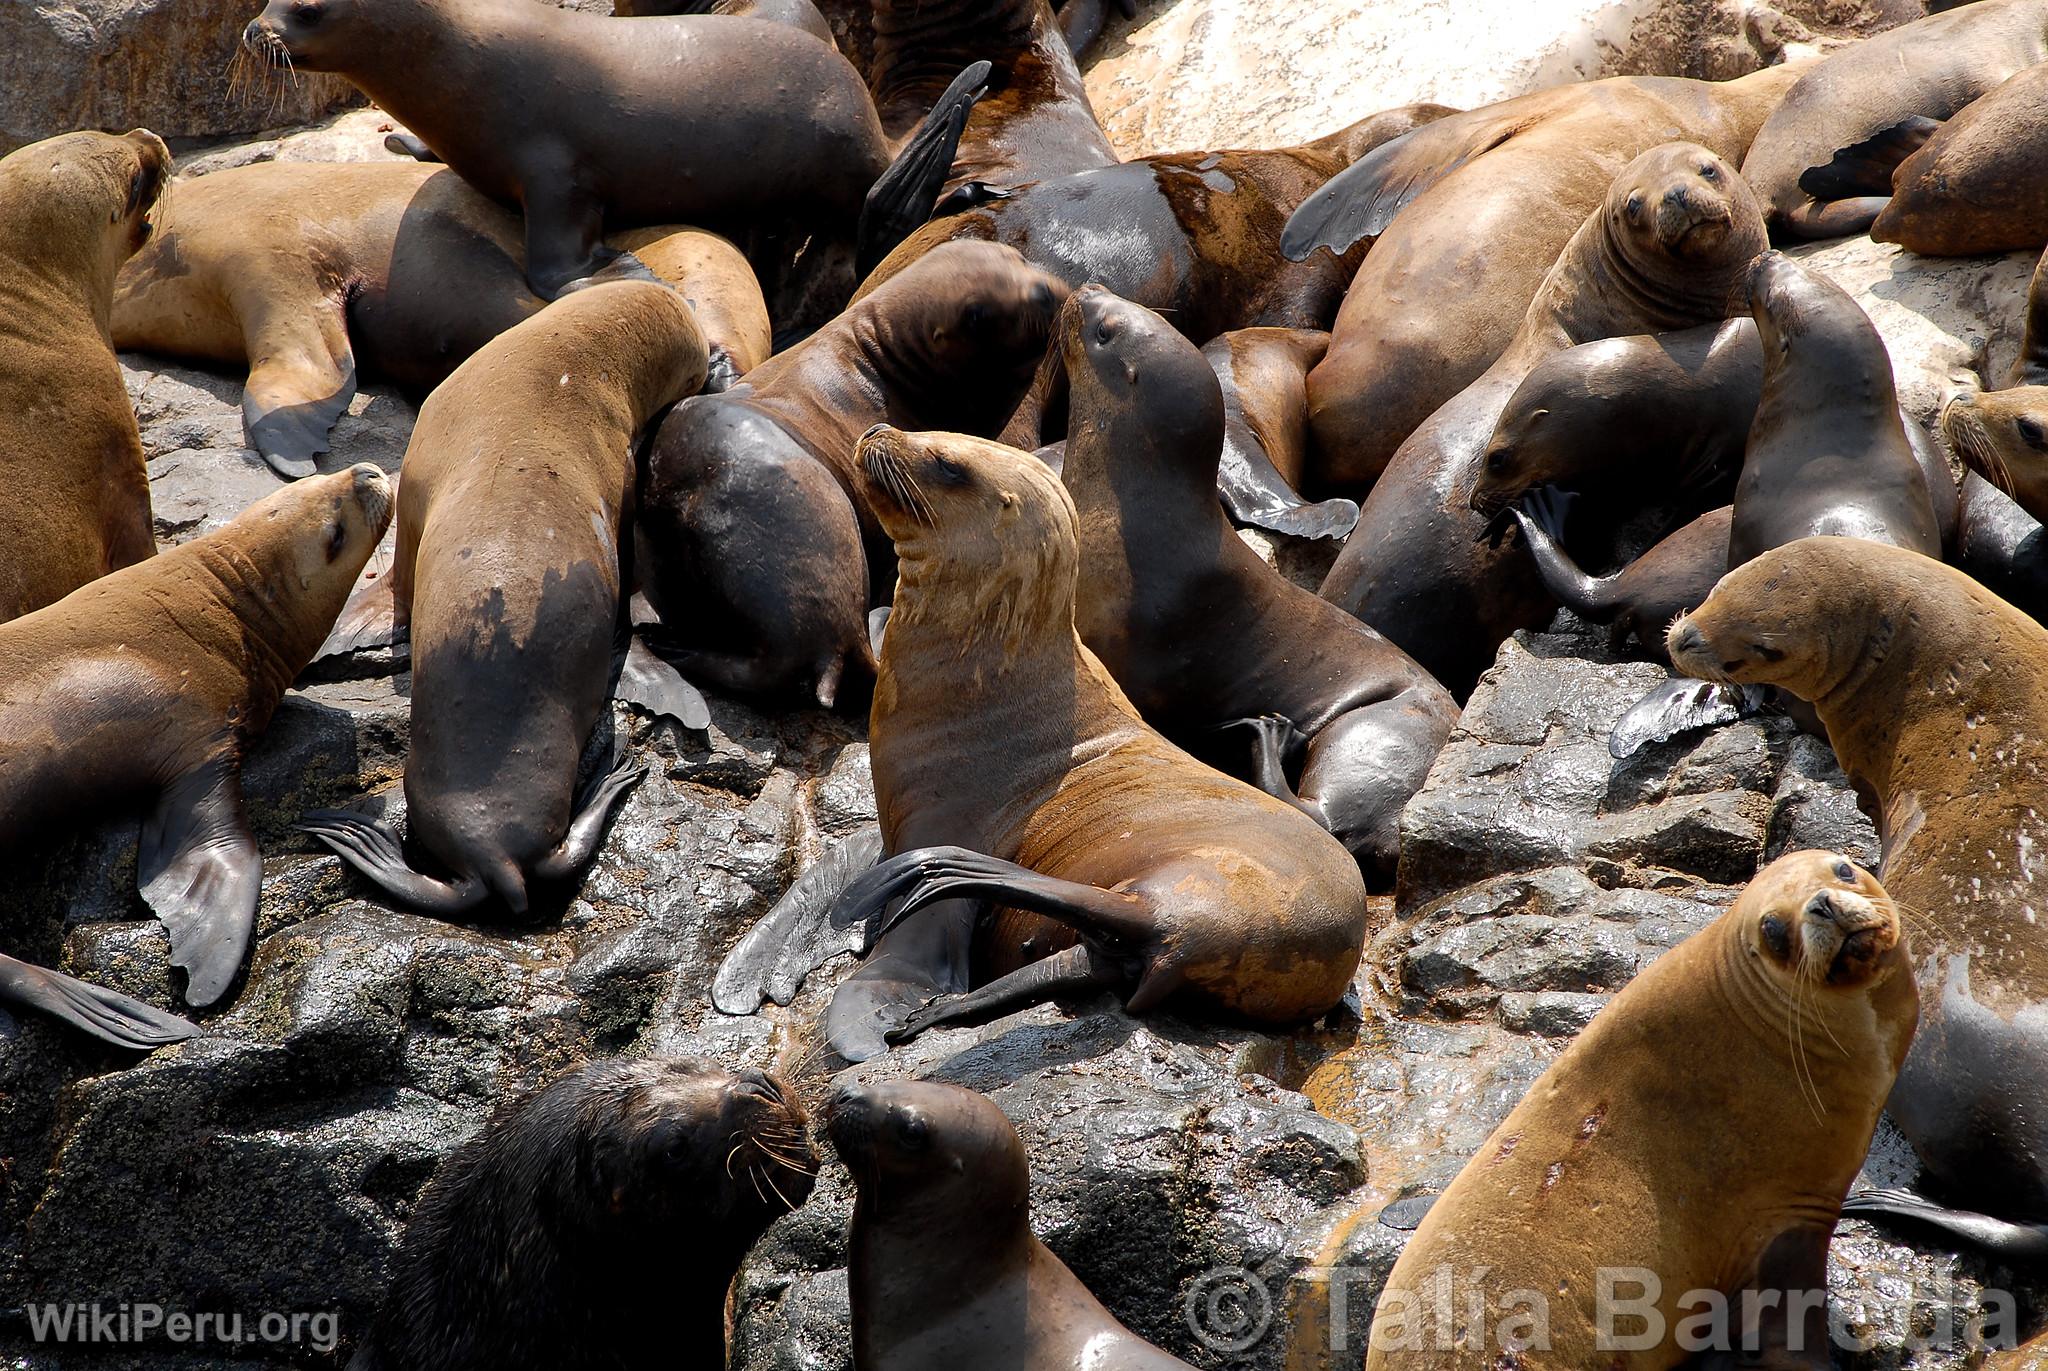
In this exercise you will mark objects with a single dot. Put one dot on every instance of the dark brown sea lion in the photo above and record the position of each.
(517, 480)
(799, 14)
(595, 1223)
(1791, 1013)
(1487, 199)
(1977, 185)
(303, 270)
(1669, 249)
(1934, 693)
(1866, 105)
(943, 1267)
(149, 684)
(1264, 376)
(1643, 597)
(1200, 633)
(76, 507)
(1013, 776)
(753, 517)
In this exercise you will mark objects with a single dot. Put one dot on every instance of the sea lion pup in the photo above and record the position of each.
(574, 117)
(1709, 1119)
(758, 548)
(944, 1269)
(1264, 376)
(149, 684)
(507, 570)
(1934, 693)
(1822, 163)
(72, 209)
(301, 270)
(1669, 249)
(1975, 185)
(1011, 773)
(1488, 199)
(1200, 633)
(595, 1223)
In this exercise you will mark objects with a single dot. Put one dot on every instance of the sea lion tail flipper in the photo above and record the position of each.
(409, 145)
(593, 811)
(1070, 973)
(106, 1014)
(1360, 201)
(905, 195)
(303, 374)
(1541, 516)
(1679, 706)
(201, 873)
(648, 680)
(2026, 1242)
(370, 849)
(796, 937)
(1866, 168)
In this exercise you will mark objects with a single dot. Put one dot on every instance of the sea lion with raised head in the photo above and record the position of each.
(1013, 776)
(72, 209)
(1934, 693)
(1199, 632)
(1790, 1014)
(508, 572)
(150, 684)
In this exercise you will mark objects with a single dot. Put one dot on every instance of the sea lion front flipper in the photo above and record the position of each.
(564, 228)
(646, 679)
(1866, 168)
(1780, 1320)
(1541, 516)
(1361, 200)
(1254, 493)
(106, 1014)
(593, 811)
(1679, 706)
(796, 937)
(1835, 218)
(370, 849)
(409, 145)
(302, 373)
(201, 873)
(2019, 1242)
(369, 617)
(903, 198)
(1070, 973)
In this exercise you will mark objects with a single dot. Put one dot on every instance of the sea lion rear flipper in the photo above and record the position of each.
(201, 873)
(369, 848)
(1110, 918)
(409, 145)
(796, 937)
(302, 371)
(1070, 973)
(2021, 1242)
(1678, 706)
(1361, 200)
(1834, 218)
(106, 1014)
(903, 198)
(1866, 168)
(593, 811)
(648, 680)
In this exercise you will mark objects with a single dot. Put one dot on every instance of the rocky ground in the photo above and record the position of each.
(1236, 1196)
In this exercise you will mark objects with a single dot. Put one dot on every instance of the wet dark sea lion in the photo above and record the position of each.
(1669, 249)
(1934, 694)
(1012, 773)
(1488, 199)
(1792, 1012)
(508, 571)
(307, 270)
(1978, 183)
(944, 1269)
(1264, 376)
(148, 685)
(1201, 634)
(594, 1223)
(1643, 597)
(76, 504)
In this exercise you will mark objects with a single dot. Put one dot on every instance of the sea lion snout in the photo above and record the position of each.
(1685, 643)
(1692, 218)
(373, 495)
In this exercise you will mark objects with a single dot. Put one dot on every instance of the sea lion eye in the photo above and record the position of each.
(1707, 171)
(2032, 431)
(950, 471)
(337, 539)
(1634, 207)
(913, 1132)
(1845, 872)
(1497, 460)
(1768, 654)
(1777, 937)
(975, 318)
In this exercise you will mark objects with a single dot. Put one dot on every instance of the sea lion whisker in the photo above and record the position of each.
(767, 1178)
(1802, 1070)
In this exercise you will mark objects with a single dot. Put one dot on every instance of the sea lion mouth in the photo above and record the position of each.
(1846, 932)
(373, 496)
(266, 44)
(1694, 234)
(1690, 651)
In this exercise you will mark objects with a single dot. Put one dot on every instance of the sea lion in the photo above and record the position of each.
(573, 117)
(759, 550)
(943, 1268)
(1934, 693)
(799, 14)
(2003, 436)
(1199, 632)
(1487, 199)
(1081, 21)
(72, 209)
(1975, 185)
(1867, 105)
(1012, 773)
(149, 684)
(302, 270)
(595, 1223)
(1790, 1014)
(1642, 598)
(1264, 376)
(507, 569)
(1668, 249)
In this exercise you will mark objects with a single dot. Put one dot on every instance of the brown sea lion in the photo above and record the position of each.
(1264, 376)
(2003, 434)
(517, 480)
(759, 550)
(1822, 163)
(302, 270)
(72, 209)
(595, 1223)
(1977, 183)
(1718, 1179)
(1012, 774)
(799, 14)
(1934, 693)
(1487, 199)
(1669, 249)
(149, 684)
(943, 1267)
(1200, 633)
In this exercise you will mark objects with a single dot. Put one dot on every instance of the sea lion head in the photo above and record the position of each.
(923, 1153)
(89, 200)
(294, 555)
(2003, 436)
(967, 305)
(1819, 917)
(1791, 618)
(318, 35)
(1134, 377)
(1680, 201)
(1557, 424)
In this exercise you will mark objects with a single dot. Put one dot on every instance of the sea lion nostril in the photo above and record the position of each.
(1822, 906)
(1687, 641)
